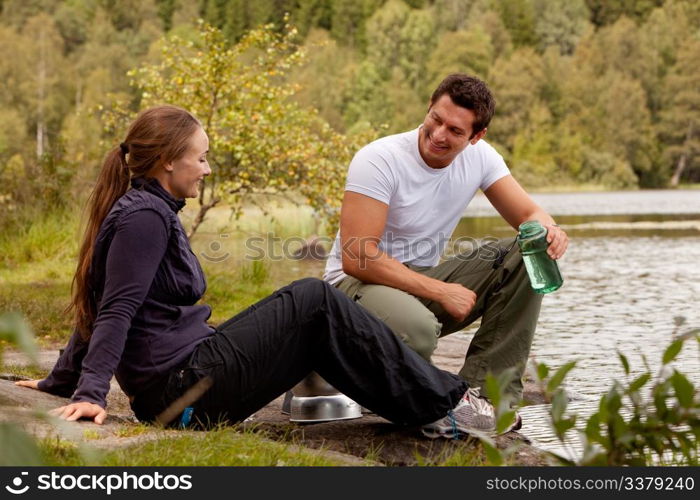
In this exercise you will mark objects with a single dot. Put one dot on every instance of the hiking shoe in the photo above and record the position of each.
(473, 413)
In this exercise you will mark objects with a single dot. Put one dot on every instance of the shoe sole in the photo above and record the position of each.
(449, 433)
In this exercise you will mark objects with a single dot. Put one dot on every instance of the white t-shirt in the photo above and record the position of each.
(425, 204)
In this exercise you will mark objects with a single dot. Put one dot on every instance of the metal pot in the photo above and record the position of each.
(315, 400)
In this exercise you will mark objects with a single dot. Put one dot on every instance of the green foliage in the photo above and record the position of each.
(597, 93)
(636, 424)
(229, 292)
(51, 236)
(560, 23)
(15, 330)
(18, 447)
(680, 117)
(262, 141)
(348, 18)
(519, 17)
(469, 51)
(608, 11)
(255, 272)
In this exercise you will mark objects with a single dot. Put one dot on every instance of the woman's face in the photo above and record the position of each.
(185, 174)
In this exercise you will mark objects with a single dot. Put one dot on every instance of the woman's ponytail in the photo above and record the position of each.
(112, 183)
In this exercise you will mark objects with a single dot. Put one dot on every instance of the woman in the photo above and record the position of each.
(135, 293)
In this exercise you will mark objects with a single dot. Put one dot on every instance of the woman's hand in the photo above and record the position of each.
(83, 409)
(73, 411)
(32, 384)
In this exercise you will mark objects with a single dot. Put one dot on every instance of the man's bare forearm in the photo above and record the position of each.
(380, 269)
(539, 215)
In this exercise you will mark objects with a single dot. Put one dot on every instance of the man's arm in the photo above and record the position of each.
(515, 206)
(362, 221)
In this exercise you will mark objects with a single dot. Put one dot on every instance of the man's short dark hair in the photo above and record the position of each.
(471, 93)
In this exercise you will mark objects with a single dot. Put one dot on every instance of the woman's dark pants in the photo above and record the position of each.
(307, 326)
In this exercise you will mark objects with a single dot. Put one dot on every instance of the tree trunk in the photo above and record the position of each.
(683, 160)
(41, 84)
(680, 167)
(203, 209)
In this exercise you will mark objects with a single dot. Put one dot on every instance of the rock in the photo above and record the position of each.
(311, 249)
(29, 407)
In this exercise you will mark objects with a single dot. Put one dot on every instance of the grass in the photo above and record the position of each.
(36, 266)
(37, 263)
(43, 304)
(52, 238)
(229, 446)
(133, 430)
(281, 217)
(27, 372)
(228, 294)
(219, 447)
(470, 455)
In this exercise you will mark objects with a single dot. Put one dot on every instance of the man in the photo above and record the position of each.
(403, 198)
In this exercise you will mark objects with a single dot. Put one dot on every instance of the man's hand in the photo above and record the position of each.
(74, 411)
(457, 300)
(516, 207)
(558, 241)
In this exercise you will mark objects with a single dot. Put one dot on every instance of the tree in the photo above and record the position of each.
(452, 15)
(348, 21)
(406, 109)
(611, 111)
(401, 38)
(384, 36)
(605, 12)
(366, 102)
(313, 14)
(73, 19)
(325, 77)
(46, 51)
(560, 23)
(661, 36)
(517, 83)
(480, 16)
(417, 43)
(262, 141)
(166, 10)
(621, 47)
(519, 17)
(533, 160)
(131, 14)
(16, 12)
(680, 124)
(464, 51)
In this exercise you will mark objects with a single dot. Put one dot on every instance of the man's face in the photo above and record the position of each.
(446, 131)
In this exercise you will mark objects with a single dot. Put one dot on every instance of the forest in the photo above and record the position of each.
(591, 94)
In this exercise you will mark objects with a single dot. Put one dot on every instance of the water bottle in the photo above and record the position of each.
(541, 268)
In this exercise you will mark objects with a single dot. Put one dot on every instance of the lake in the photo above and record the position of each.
(632, 266)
